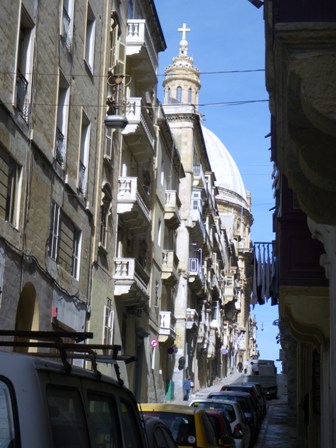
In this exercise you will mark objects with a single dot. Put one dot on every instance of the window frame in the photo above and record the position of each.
(61, 132)
(54, 231)
(90, 32)
(108, 324)
(84, 154)
(24, 65)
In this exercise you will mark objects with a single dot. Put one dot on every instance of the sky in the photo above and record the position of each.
(227, 45)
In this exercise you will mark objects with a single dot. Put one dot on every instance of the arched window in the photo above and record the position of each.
(169, 96)
(179, 94)
(189, 95)
(105, 211)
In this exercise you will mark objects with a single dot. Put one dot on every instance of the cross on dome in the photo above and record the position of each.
(184, 30)
(184, 42)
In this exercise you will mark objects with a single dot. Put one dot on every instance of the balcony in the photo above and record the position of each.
(172, 209)
(130, 282)
(191, 318)
(202, 336)
(141, 54)
(196, 276)
(133, 203)
(139, 133)
(167, 326)
(196, 226)
(216, 290)
(169, 272)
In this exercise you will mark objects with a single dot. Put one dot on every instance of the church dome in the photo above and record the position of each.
(227, 174)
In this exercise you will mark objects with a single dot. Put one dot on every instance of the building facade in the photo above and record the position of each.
(213, 239)
(112, 218)
(300, 69)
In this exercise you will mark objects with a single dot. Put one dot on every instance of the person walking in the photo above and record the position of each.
(187, 384)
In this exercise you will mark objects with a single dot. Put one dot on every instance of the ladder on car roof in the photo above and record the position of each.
(55, 340)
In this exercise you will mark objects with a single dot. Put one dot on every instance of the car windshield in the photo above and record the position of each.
(226, 407)
(181, 426)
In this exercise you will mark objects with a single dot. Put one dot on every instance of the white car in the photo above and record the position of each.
(235, 416)
(46, 404)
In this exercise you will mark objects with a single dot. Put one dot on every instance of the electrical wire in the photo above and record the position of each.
(160, 75)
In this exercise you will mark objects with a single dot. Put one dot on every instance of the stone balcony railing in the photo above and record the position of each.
(167, 324)
(169, 266)
(172, 209)
(138, 39)
(191, 318)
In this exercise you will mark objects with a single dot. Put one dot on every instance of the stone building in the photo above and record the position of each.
(213, 239)
(52, 78)
(111, 216)
(300, 77)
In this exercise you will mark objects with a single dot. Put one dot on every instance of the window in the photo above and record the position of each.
(67, 23)
(67, 418)
(159, 233)
(105, 210)
(129, 420)
(69, 246)
(169, 96)
(64, 242)
(84, 154)
(130, 11)
(109, 136)
(179, 94)
(103, 416)
(62, 120)
(90, 38)
(117, 48)
(108, 323)
(189, 95)
(7, 433)
(24, 65)
(54, 231)
(10, 187)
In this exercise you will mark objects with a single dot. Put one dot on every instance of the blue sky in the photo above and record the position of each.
(228, 36)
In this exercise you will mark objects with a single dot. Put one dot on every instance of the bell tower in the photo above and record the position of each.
(182, 80)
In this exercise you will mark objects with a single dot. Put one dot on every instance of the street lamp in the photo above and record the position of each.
(114, 117)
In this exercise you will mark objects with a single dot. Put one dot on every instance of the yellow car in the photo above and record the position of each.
(189, 426)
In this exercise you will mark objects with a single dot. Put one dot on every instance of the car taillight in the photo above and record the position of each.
(237, 431)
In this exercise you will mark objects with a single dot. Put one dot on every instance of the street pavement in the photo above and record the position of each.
(278, 429)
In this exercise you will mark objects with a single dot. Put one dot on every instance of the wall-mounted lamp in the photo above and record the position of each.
(114, 117)
(257, 3)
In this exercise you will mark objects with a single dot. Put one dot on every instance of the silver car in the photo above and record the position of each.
(235, 416)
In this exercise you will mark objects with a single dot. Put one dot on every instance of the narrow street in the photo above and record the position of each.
(278, 429)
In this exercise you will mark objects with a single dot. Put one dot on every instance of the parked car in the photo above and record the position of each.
(251, 389)
(246, 403)
(157, 433)
(241, 432)
(190, 427)
(221, 427)
(47, 403)
(261, 395)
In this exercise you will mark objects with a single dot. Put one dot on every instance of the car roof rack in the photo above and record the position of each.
(67, 350)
